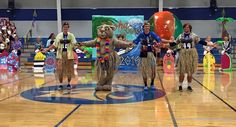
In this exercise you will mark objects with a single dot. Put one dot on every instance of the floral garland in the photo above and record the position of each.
(103, 57)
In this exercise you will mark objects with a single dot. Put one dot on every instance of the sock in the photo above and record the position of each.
(189, 83)
(145, 83)
(152, 82)
(180, 83)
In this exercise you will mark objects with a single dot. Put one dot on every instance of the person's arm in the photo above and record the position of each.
(54, 45)
(203, 42)
(20, 46)
(91, 43)
(156, 37)
(229, 47)
(166, 41)
(73, 39)
(122, 44)
(138, 39)
(50, 47)
(48, 43)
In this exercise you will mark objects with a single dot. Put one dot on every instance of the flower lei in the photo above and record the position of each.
(103, 57)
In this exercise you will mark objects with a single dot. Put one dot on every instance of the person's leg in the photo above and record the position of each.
(181, 80)
(70, 72)
(153, 75)
(59, 71)
(189, 78)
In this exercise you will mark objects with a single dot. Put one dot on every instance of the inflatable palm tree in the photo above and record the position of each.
(224, 20)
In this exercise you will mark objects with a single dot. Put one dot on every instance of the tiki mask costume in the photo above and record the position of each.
(107, 59)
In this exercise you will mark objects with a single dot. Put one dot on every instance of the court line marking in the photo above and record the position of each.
(9, 97)
(231, 107)
(96, 96)
(168, 103)
(70, 113)
(16, 80)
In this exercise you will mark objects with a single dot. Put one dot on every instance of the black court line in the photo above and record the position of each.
(95, 95)
(9, 97)
(16, 80)
(168, 103)
(60, 122)
(231, 107)
(21, 91)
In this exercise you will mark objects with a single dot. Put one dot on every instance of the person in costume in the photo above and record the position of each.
(17, 45)
(148, 40)
(226, 46)
(50, 40)
(207, 48)
(3, 45)
(65, 42)
(107, 59)
(188, 56)
(38, 44)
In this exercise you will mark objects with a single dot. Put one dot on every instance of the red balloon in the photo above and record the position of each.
(164, 24)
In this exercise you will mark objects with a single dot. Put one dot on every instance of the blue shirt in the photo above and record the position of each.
(147, 39)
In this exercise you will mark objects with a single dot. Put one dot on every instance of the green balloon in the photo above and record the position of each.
(178, 27)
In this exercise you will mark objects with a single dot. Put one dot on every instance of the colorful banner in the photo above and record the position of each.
(130, 26)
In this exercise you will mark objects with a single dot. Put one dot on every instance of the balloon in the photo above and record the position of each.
(165, 24)
(178, 27)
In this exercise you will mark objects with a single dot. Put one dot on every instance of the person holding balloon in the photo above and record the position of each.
(188, 56)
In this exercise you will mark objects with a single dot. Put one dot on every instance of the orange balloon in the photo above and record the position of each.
(164, 23)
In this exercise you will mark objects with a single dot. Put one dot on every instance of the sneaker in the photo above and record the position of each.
(189, 88)
(145, 88)
(180, 89)
(153, 87)
(68, 87)
(60, 88)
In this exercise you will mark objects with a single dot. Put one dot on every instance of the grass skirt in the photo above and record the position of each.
(188, 61)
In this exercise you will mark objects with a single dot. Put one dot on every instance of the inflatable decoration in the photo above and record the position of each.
(209, 62)
(50, 62)
(166, 24)
(168, 63)
(39, 62)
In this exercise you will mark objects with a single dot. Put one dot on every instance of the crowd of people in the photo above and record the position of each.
(186, 53)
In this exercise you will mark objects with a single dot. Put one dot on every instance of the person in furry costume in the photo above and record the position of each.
(107, 59)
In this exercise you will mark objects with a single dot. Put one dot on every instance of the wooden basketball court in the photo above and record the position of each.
(30, 100)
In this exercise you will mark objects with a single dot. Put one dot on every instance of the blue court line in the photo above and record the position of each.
(231, 107)
(168, 103)
(60, 122)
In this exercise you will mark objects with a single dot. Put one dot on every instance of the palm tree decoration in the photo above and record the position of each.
(224, 20)
(99, 20)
